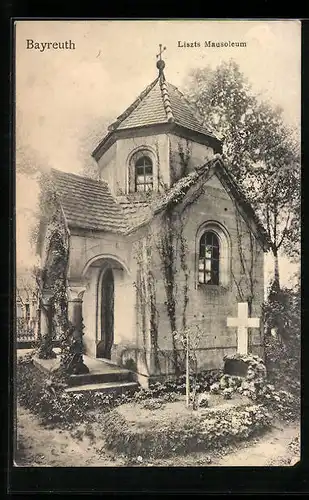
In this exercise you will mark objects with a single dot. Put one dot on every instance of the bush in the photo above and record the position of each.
(282, 404)
(283, 363)
(282, 312)
(44, 395)
(185, 435)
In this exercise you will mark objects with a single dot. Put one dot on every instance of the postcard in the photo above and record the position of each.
(157, 243)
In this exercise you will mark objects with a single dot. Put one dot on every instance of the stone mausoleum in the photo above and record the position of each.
(164, 240)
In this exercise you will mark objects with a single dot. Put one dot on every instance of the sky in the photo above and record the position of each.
(66, 98)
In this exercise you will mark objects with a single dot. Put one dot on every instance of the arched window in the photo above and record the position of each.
(143, 174)
(209, 259)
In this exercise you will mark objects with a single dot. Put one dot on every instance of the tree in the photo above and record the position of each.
(92, 135)
(260, 150)
(189, 339)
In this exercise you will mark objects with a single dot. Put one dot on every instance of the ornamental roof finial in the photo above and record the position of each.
(160, 62)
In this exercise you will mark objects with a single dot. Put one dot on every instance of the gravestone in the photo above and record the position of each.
(242, 323)
(236, 366)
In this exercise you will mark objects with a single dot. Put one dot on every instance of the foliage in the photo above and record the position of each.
(184, 435)
(262, 152)
(26, 286)
(245, 283)
(29, 162)
(44, 395)
(282, 311)
(172, 248)
(280, 403)
(156, 403)
(52, 280)
(167, 389)
(282, 317)
(256, 370)
(168, 258)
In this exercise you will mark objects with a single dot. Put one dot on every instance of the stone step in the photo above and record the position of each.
(96, 378)
(116, 387)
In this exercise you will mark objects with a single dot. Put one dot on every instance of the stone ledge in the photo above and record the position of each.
(118, 387)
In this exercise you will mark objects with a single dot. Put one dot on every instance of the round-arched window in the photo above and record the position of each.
(209, 259)
(143, 174)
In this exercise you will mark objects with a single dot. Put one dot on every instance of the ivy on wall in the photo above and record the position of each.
(146, 298)
(246, 282)
(53, 279)
(180, 160)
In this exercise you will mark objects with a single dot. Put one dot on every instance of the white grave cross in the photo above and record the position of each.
(242, 323)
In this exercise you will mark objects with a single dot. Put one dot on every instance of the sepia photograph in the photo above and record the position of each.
(158, 210)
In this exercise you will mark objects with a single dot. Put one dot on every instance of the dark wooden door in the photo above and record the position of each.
(107, 316)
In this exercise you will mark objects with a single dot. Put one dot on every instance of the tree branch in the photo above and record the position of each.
(284, 231)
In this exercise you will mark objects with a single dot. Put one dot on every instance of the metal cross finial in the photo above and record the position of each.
(161, 52)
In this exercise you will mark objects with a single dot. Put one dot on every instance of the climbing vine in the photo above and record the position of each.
(173, 250)
(180, 160)
(166, 247)
(245, 283)
(146, 297)
(185, 154)
(53, 281)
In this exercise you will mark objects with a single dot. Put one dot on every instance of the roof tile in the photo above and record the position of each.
(88, 204)
(160, 102)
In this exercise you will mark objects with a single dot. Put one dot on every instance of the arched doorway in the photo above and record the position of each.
(106, 338)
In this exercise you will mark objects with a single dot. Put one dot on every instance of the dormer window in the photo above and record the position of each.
(143, 174)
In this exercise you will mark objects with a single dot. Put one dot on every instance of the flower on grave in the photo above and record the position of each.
(214, 388)
(270, 387)
(223, 382)
(250, 374)
(227, 393)
(203, 401)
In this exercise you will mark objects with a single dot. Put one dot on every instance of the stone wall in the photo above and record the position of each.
(196, 155)
(114, 166)
(209, 306)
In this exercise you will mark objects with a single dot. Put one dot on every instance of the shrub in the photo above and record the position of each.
(283, 362)
(202, 382)
(282, 312)
(44, 395)
(281, 403)
(185, 435)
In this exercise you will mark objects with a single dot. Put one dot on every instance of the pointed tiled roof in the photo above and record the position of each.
(159, 103)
